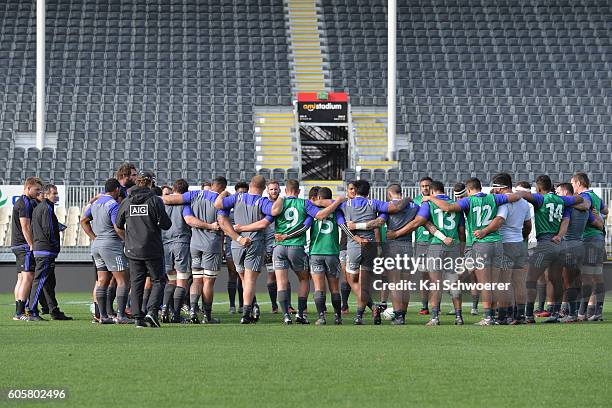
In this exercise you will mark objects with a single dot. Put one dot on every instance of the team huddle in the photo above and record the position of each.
(158, 251)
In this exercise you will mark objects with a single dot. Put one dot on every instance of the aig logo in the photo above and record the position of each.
(139, 210)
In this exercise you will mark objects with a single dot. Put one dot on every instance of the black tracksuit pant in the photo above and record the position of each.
(43, 284)
(139, 270)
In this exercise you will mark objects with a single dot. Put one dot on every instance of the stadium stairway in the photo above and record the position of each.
(309, 72)
(275, 138)
(370, 136)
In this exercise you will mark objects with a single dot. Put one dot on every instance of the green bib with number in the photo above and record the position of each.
(325, 236)
(548, 216)
(293, 215)
(446, 222)
(421, 235)
(483, 209)
(590, 230)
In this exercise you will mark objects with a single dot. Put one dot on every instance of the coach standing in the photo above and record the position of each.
(143, 216)
(46, 247)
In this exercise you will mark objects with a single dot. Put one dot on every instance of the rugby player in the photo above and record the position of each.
(21, 243)
(99, 223)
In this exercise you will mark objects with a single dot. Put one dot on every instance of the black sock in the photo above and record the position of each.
(425, 304)
(247, 310)
(101, 293)
(520, 311)
(488, 312)
(289, 293)
(19, 307)
(475, 299)
(96, 310)
(370, 304)
(240, 291)
(272, 290)
(231, 292)
(458, 312)
(208, 310)
(572, 295)
(360, 312)
(194, 298)
(600, 294)
(345, 291)
(510, 311)
(283, 302)
(111, 293)
(123, 293)
(435, 311)
(336, 303)
(179, 295)
(529, 309)
(541, 292)
(501, 313)
(145, 300)
(168, 300)
(319, 299)
(302, 303)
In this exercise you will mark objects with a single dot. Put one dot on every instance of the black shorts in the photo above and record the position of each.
(24, 260)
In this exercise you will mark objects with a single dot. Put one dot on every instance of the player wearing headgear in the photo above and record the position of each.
(515, 229)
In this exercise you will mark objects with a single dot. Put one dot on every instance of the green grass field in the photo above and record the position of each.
(268, 365)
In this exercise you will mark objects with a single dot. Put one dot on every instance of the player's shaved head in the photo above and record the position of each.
(258, 182)
(544, 184)
(324, 193)
(437, 187)
(292, 186)
(473, 184)
(582, 179)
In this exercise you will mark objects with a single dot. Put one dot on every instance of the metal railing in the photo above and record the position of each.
(78, 196)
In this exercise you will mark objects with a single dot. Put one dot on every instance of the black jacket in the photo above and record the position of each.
(45, 230)
(143, 216)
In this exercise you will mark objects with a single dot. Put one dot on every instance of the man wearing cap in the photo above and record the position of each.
(143, 216)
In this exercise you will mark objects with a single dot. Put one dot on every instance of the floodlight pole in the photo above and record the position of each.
(391, 77)
(40, 73)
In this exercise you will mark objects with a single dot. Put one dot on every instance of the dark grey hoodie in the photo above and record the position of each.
(143, 216)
